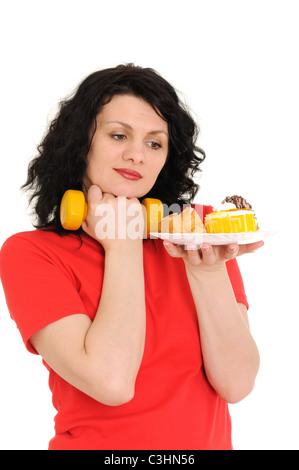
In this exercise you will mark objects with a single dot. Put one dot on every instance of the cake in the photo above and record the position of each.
(234, 215)
(188, 221)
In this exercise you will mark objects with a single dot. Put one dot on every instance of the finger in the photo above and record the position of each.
(193, 254)
(94, 193)
(208, 254)
(173, 250)
(94, 198)
(250, 247)
(231, 251)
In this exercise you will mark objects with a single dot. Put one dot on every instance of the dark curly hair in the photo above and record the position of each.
(62, 154)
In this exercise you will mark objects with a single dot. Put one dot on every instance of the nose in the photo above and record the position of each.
(134, 152)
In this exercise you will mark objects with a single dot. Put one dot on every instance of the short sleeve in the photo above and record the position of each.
(37, 290)
(237, 282)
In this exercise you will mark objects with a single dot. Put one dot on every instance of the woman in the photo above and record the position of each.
(146, 343)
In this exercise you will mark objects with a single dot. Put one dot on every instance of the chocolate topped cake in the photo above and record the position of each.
(239, 202)
(234, 215)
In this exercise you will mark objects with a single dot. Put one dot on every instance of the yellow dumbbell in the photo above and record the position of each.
(73, 210)
(153, 214)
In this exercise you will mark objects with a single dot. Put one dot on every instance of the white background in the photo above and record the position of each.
(236, 64)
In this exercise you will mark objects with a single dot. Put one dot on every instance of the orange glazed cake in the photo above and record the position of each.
(234, 215)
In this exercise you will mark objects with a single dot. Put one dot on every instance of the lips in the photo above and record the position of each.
(128, 174)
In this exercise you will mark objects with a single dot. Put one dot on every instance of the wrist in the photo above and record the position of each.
(203, 270)
(124, 247)
(207, 277)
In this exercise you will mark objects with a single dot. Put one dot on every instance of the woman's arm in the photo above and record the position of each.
(230, 355)
(102, 358)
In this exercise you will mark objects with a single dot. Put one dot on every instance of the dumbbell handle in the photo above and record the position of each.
(73, 210)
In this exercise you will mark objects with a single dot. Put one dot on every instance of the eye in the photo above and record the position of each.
(155, 145)
(118, 137)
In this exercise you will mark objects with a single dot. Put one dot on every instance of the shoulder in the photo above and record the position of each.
(32, 236)
(45, 244)
(23, 243)
(16, 243)
(46, 238)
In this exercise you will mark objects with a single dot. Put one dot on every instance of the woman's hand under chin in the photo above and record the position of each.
(114, 221)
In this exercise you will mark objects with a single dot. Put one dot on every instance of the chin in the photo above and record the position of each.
(128, 192)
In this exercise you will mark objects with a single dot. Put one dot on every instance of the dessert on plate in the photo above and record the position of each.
(188, 221)
(234, 215)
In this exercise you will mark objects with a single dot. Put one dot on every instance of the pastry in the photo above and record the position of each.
(188, 221)
(234, 215)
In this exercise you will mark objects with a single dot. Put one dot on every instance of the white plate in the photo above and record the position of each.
(214, 239)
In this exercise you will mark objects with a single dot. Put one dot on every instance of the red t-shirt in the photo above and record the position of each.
(47, 277)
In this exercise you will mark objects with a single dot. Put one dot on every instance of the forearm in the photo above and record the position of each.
(115, 339)
(230, 355)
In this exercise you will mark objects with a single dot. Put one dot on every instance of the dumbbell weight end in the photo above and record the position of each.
(73, 209)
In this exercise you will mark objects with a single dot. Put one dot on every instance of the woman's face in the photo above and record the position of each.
(129, 148)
